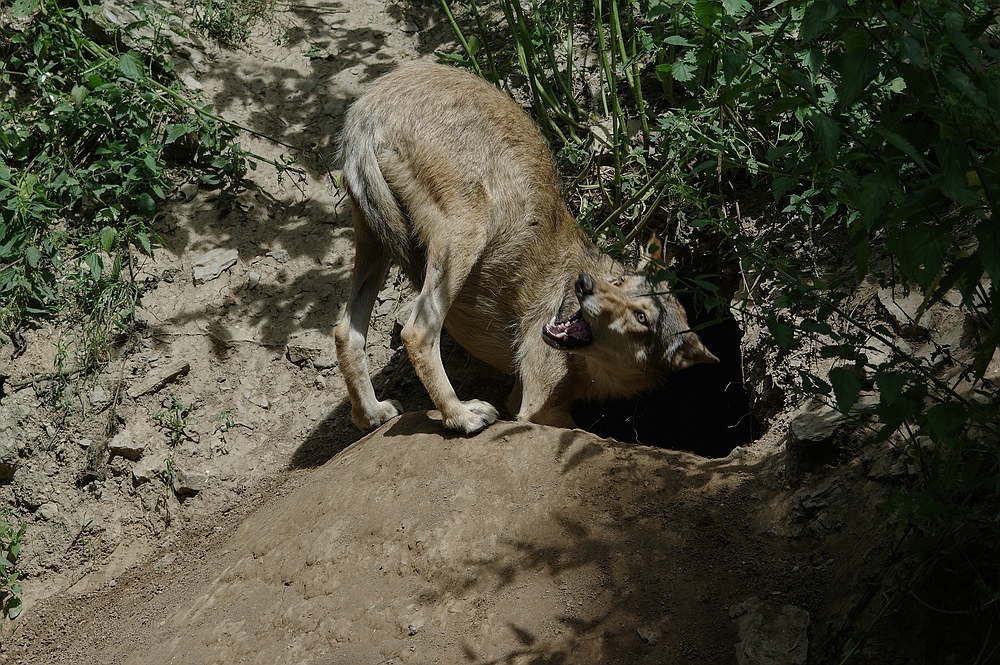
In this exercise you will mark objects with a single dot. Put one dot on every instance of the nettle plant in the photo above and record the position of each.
(93, 138)
(876, 128)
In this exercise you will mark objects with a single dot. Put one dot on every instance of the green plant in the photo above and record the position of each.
(10, 550)
(876, 128)
(173, 419)
(229, 21)
(93, 139)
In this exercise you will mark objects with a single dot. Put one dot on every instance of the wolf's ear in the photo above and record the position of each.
(645, 256)
(692, 352)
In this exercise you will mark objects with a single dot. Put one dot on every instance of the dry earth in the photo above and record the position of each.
(285, 539)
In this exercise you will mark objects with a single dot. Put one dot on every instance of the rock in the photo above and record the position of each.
(49, 511)
(98, 395)
(159, 378)
(409, 28)
(10, 460)
(189, 483)
(253, 279)
(188, 191)
(211, 264)
(6, 355)
(279, 255)
(165, 561)
(146, 469)
(192, 83)
(125, 445)
(770, 636)
(257, 400)
(814, 423)
(811, 500)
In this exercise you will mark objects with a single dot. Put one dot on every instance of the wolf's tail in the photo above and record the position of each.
(366, 185)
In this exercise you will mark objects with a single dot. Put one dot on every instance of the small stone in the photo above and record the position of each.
(211, 264)
(98, 395)
(165, 561)
(191, 83)
(770, 635)
(161, 377)
(279, 255)
(125, 445)
(85, 443)
(189, 191)
(814, 423)
(253, 279)
(189, 483)
(146, 469)
(48, 511)
(648, 635)
(257, 400)
(409, 28)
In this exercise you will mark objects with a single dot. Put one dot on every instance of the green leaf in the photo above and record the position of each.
(890, 385)
(174, 132)
(827, 135)
(144, 243)
(846, 388)
(683, 71)
(677, 40)
(736, 8)
(782, 333)
(857, 69)
(147, 205)
(95, 264)
(79, 93)
(946, 420)
(32, 256)
(988, 234)
(817, 17)
(130, 64)
(24, 8)
(14, 607)
(903, 146)
(108, 237)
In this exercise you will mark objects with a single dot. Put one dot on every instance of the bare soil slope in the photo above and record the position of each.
(524, 544)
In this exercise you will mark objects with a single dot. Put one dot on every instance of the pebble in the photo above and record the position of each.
(212, 264)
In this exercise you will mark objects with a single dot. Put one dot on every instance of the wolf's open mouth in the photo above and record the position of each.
(571, 333)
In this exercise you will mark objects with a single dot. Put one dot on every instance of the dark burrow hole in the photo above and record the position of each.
(704, 409)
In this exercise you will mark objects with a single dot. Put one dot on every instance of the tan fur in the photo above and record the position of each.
(449, 178)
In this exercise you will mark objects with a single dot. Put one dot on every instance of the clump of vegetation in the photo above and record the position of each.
(96, 132)
(875, 129)
(229, 21)
(10, 550)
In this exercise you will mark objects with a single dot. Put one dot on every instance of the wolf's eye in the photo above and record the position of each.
(641, 318)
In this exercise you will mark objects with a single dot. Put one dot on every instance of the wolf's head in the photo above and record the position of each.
(628, 328)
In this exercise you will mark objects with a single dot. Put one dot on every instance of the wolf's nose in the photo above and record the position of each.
(584, 285)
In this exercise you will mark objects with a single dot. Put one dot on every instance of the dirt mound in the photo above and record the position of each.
(523, 544)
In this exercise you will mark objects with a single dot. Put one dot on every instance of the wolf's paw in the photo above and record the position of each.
(380, 413)
(473, 416)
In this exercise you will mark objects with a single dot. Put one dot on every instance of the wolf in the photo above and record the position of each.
(449, 178)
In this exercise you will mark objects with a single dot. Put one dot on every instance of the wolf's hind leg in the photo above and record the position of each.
(371, 263)
(446, 273)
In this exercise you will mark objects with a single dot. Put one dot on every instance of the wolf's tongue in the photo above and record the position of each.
(570, 333)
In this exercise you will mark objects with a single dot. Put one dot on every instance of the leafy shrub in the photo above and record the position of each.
(10, 550)
(94, 137)
(876, 127)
